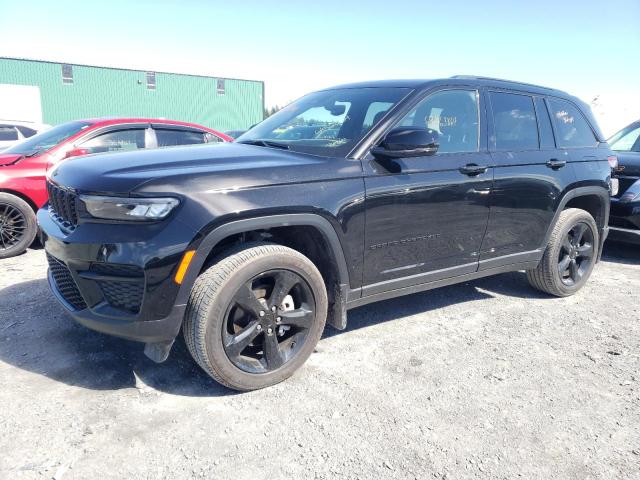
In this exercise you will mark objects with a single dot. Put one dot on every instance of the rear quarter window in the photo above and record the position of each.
(571, 128)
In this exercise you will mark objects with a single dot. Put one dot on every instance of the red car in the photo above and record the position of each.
(23, 166)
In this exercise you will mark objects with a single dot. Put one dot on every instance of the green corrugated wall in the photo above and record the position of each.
(110, 92)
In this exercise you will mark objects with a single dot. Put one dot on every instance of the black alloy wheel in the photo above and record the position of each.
(13, 225)
(576, 254)
(268, 321)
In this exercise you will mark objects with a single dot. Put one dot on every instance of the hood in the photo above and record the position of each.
(9, 159)
(628, 164)
(219, 166)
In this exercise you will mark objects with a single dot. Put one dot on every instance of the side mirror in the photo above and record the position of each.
(403, 142)
(77, 152)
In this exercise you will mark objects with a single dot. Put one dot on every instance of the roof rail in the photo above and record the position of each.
(475, 77)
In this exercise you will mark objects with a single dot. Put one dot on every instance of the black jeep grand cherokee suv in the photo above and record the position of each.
(250, 247)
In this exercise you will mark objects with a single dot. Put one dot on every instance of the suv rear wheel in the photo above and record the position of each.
(18, 225)
(255, 316)
(570, 255)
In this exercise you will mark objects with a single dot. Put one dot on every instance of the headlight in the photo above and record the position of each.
(136, 209)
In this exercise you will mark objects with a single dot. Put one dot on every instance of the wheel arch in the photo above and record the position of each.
(220, 239)
(21, 196)
(593, 199)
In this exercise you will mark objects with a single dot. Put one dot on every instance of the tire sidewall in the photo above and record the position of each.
(216, 319)
(567, 225)
(32, 226)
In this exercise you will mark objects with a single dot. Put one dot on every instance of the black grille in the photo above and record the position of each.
(117, 270)
(123, 295)
(65, 283)
(62, 204)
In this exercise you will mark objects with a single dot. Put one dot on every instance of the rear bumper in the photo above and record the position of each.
(624, 235)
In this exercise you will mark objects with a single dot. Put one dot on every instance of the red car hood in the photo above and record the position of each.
(8, 159)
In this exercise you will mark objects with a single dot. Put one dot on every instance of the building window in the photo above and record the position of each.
(220, 86)
(151, 80)
(67, 73)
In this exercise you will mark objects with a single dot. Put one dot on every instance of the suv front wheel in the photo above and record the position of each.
(570, 255)
(255, 316)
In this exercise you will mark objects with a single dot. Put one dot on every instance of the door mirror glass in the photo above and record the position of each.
(405, 142)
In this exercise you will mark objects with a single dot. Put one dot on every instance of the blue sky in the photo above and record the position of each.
(587, 48)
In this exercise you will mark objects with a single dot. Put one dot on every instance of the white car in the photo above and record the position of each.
(12, 131)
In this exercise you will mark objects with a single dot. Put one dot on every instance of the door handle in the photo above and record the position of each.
(472, 169)
(556, 164)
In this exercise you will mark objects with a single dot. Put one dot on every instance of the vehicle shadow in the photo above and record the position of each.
(513, 284)
(621, 253)
(37, 335)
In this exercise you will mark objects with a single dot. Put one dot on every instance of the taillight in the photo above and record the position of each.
(613, 161)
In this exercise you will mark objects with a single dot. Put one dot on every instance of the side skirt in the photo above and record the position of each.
(398, 292)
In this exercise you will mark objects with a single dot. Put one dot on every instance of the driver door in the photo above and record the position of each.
(426, 217)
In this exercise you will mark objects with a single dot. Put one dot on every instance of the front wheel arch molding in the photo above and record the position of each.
(212, 239)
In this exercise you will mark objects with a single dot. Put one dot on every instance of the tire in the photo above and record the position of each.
(18, 225)
(219, 318)
(570, 255)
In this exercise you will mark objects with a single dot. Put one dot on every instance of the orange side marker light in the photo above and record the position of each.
(184, 265)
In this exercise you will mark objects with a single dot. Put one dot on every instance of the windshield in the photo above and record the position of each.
(328, 123)
(48, 139)
(627, 139)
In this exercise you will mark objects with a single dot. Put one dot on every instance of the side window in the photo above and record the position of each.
(626, 141)
(572, 130)
(26, 131)
(171, 138)
(116, 141)
(211, 138)
(375, 112)
(514, 120)
(8, 133)
(544, 124)
(453, 114)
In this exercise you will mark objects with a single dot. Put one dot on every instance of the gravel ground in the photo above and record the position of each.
(487, 379)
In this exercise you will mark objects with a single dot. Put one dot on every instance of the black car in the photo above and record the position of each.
(250, 247)
(625, 206)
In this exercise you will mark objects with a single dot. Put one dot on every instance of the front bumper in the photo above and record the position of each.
(118, 279)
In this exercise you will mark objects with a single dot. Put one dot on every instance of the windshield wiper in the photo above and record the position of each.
(266, 143)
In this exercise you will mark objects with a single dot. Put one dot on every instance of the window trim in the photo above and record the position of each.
(548, 114)
(546, 99)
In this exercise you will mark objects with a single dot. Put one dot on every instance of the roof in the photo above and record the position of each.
(140, 70)
(455, 80)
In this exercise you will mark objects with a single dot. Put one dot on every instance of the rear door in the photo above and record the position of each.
(530, 175)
